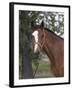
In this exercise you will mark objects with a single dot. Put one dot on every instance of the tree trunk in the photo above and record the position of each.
(26, 65)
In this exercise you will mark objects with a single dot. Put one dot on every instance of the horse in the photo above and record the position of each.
(45, 40)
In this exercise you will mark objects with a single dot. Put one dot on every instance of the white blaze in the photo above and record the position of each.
(35, 34)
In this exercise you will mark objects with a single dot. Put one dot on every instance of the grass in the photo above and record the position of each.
(43, 70)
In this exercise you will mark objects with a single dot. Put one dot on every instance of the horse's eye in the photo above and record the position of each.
(42, 35)
(32, 36)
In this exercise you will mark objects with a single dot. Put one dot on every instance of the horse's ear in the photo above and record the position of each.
(42, 24)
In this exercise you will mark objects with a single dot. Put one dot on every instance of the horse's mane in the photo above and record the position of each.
(48, 30)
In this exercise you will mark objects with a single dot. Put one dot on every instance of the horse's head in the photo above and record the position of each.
(38, 36)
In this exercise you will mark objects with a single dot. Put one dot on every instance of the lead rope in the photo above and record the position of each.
(39, 50)
(36, 70)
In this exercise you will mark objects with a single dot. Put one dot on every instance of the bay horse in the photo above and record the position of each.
(53, 45)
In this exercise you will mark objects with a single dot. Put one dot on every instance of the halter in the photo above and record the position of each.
(39, 44)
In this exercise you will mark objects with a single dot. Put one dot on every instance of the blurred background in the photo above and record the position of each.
(31, 65)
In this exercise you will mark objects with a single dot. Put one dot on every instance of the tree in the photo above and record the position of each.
(25, 52)
(24, 31)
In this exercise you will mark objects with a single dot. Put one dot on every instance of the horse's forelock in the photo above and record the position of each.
(37, 27)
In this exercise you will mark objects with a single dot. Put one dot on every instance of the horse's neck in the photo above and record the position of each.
(50, 41)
